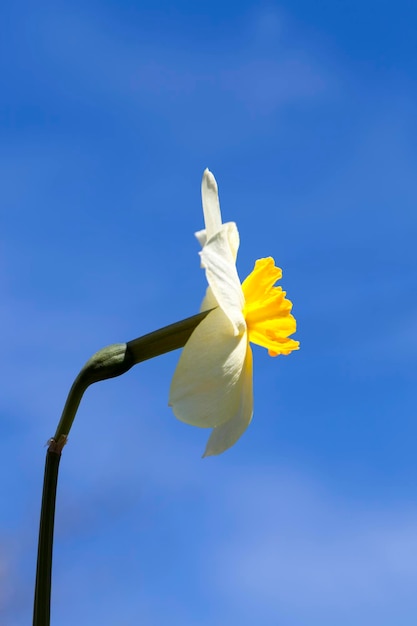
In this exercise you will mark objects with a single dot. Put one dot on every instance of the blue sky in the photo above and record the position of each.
(306, 113)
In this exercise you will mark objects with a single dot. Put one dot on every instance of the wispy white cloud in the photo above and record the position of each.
(263, 543)
(157, 71)
(295, 551)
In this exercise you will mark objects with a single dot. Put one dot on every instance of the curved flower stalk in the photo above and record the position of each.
(212, 385)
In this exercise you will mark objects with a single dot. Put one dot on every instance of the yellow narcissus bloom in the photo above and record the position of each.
(212, 386)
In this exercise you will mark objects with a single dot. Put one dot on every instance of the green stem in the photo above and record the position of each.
(42, 604)
(109, 362)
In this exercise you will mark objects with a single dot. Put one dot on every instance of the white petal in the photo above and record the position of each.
(202, 237)
(211, 205)
(204, 390)
(217, 259)
(232, 237)
(209, 301)
(226, 435)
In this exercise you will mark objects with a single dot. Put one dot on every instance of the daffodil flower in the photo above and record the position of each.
(212, 385)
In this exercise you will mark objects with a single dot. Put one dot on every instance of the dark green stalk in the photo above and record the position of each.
(109, 362)
(42, 604)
